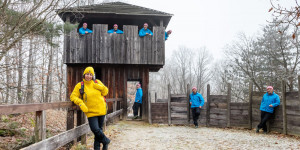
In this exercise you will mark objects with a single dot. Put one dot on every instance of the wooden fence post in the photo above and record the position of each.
(207, 105)
(169, 104)
(188, 102)
(40, 126)
(80, 121)
(228, 104)
(284, 107)
(125, 97)
(70, 122)
(149, 107)
(250, 105)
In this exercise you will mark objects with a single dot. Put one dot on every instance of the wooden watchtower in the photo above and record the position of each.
(116, 58)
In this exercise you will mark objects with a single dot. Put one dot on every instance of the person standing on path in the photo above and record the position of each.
(138, 100)
(269, 101)
(197, 102)
(89, 96)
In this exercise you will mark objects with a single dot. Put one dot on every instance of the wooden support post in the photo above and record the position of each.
(228, 104)
(125, 96)
(149, 107)
(169, 104)
(155, 97)
(250, 105)
(207, 105)
(284, 119)
(188, 87)
(161, 23)
(40, 126)
(115, 107)
(121, 116)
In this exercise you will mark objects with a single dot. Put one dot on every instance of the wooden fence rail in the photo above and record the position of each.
(63, 138)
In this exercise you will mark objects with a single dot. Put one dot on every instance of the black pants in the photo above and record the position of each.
(196, 114)
(264, 117)
(96, 124)
(135, 108)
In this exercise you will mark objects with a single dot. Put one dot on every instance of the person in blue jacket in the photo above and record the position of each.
(167, 34)
(197, 102)
(145, 31)
(84, 30)
(269, 101)
(115, 30)
(138, 100)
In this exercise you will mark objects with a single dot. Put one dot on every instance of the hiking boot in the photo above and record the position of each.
(257, 129)
(105, 144)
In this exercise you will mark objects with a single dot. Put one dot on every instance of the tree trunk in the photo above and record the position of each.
(20, 73)
(7, 78)
(49, 77)
(29, 97)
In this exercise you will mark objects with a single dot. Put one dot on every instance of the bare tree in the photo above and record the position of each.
(201, 68)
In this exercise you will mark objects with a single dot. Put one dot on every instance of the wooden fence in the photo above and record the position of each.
(63, 138)
(219, 111)
(127, 48)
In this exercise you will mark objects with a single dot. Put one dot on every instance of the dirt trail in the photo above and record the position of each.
(141, 136)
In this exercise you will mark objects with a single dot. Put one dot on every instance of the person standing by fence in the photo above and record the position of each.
(89, 96)
(138, 100)
(197, 102)
(269, 101)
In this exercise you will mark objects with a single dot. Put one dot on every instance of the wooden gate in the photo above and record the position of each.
(179, 109)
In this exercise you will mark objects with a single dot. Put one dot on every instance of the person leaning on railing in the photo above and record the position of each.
(89, 96)
(167, 34)
(145, 31)
(115, 30)
(84, 30)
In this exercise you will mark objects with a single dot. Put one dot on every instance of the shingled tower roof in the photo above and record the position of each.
(115, 12)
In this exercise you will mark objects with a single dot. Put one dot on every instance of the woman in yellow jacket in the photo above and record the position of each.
(93, 104)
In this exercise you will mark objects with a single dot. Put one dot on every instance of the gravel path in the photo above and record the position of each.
(141, 136)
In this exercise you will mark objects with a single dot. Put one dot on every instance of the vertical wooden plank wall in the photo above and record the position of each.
(127, 48)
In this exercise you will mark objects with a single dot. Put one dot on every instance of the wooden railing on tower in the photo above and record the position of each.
(103, 48)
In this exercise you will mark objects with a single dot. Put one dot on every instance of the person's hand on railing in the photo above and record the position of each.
(83, 107)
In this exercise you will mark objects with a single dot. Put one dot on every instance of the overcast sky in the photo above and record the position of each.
(210, 23)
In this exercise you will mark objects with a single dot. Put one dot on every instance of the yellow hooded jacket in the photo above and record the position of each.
(92, 97)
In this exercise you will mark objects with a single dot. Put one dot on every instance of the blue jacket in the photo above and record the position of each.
(113, 30)
(267, 100)
(166, 35)
(143, 32)
(197, 100)
(139, 95)
(82, 30)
